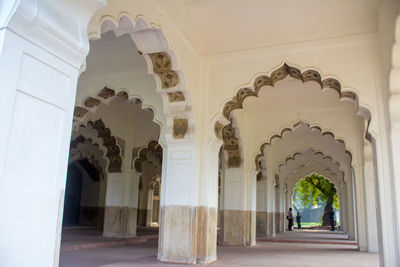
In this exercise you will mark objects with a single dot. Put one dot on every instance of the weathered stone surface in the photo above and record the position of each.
(187, 234)
(120, 221)
(261, 223)
(237, 228)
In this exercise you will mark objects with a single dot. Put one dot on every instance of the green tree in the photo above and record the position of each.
(315, 189)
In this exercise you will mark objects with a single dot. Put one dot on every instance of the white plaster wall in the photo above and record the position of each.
(261, 195)
(32, 105)
(230, 70)
(35, 55)
(234, 189)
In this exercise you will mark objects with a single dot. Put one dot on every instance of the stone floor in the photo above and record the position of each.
(78, 238)
(263, 254)
(310, 237)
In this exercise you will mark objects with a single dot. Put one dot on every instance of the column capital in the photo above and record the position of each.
(59, 27)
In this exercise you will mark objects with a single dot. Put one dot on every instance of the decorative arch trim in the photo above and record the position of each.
(298, 155)
(277, 75)
(290, 130)
(140, 155)
(161, 64)
(113, 150)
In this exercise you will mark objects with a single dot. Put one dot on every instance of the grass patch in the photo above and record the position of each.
(309, 224)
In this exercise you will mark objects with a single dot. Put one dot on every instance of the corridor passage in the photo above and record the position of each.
(306, 248)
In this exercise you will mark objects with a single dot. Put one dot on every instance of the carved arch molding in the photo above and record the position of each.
(162, 63)
(109, 141)
(234, 155)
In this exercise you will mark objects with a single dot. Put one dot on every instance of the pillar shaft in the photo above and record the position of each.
(237, 219)
(188, 219)
(149, 219)
(262, 215)
(39, 66)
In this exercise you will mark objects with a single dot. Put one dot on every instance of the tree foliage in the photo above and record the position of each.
(315, 189)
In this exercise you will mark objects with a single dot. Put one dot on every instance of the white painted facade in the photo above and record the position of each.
(46, 70)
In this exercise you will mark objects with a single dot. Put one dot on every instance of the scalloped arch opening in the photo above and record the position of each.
(280, 136)
(291, 190)
(106, 142)
(280, 73)
(161, 62)
(297, 158)
(140, 155)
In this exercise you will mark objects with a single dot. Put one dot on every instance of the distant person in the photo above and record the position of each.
(298, 220)
(289, 217)
(332, 219)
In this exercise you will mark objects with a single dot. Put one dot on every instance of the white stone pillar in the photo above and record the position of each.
(350, 207)
(188, 221)
(120, 213)
(343, 207)
(253, 209)
(285, 208)
(389, 183)
(149, 217)
(387, 208)
(270, 193)
(262, 215)
(362, 223)
(234, 212)
(42, 47)
(369, 177)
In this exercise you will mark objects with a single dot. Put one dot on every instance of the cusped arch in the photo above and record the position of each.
(103, 138)
(142, 154)
(279, 74)
(309, 169)
(86, 149)
(307, 157)
(309, 75)
(161, 64)
(280, 136)
(106, 96)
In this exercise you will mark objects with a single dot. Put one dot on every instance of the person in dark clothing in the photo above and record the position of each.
(332, 218)
(298, 220)
(290, 219)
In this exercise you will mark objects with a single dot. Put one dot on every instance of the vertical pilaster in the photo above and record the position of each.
(188, 219)
(350, 207)
(149, 217)
(119, 219)
(262, 215)
(236, 217)
(40, 60)
(343, 207)
(369, 178)
(270, 193)
(362, 223)
(390, 187)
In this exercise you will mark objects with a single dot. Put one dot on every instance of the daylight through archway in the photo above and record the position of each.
(316, 204)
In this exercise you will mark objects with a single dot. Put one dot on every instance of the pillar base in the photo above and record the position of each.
(261, 224)
(120, 222)
(188, 234)
(237, 227)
